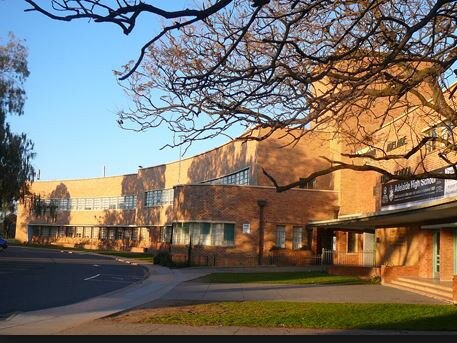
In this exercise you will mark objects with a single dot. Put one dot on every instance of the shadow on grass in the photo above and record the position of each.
(344, 316)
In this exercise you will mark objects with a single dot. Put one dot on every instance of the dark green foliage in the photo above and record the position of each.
(163, 258)
(16, 150)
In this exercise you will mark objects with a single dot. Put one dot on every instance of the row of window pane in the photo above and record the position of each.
(125, 202)
(301, 238)
(210, 234)
(159, 197)
(238, 178)
(90, 232)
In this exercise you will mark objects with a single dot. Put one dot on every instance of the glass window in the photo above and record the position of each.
(89, 204)
(44, 231)
(103, 233)
(119, 233)
(307, 239)
(217, 234)
(205, 234)
(70, 231)
(97, 203)
(135, 234)
(281, 236)
(95, 232)
(61, 231)
(145, 234)
(238, 178)
(297, 238)
(87, 232)
(159, 197)
(352, 242)
(79, 231)
(111, 234)
(113, 203)
(229, 234)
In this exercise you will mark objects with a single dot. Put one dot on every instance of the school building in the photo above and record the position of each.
(223, 206)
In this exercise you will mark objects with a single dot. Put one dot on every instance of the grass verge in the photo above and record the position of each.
(309, 315)
(296, 278)
(131, 255)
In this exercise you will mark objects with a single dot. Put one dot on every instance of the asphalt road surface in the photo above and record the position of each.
(34, 279)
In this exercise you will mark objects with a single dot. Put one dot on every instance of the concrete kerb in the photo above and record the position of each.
(159, 281)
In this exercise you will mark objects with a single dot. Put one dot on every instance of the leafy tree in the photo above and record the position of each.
(16, 150)
(342, 69)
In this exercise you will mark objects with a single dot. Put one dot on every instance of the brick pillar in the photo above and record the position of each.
(262, 204)
(454, 289)
(446, 255)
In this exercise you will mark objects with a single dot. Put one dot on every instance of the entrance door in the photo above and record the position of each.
(436, 254)
(368, 249)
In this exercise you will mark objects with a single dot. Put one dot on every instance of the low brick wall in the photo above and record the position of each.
(354, 271)
(389, 273)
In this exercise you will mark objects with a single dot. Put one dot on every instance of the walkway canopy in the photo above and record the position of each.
(440, 213)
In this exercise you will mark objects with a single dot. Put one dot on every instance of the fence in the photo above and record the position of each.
(360, 258)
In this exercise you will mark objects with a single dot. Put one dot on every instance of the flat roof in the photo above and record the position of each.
(432, 214)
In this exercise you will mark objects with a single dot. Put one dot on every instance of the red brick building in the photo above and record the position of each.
(220, 202)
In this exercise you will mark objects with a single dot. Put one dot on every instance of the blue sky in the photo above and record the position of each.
(73, 97)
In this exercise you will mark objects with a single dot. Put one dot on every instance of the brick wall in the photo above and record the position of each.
(239, 205)
(354, 271)
(446, 255)
(389, 273)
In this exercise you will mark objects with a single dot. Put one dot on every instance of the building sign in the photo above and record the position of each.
(400, 194)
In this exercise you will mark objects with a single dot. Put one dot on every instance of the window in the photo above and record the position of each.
(135, 232)
(61, 231)
(113, 203)
(95, 232)
(281, 236)
(351, 242)
(158, 197)
(239, 178)
(217, 234)
(97, 203)
(119, 233)
(431, 144)
(89, 204)
(111, 234)
(145, 234)
(63, 205)
(209, 234)
(70, 231)
(79, 231)
(127, 202)
(229, 234)
(205, 234)
(103, 233)
(44, 231)
(36, 231)
(87, 232)
(443, 130)
(297, 242)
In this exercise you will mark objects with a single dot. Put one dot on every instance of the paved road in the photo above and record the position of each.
(34, 279)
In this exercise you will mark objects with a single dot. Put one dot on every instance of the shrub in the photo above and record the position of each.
(162, 258)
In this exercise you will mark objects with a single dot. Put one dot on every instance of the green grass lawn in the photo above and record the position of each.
(311, 315)
(131, 255)
(296, 278)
